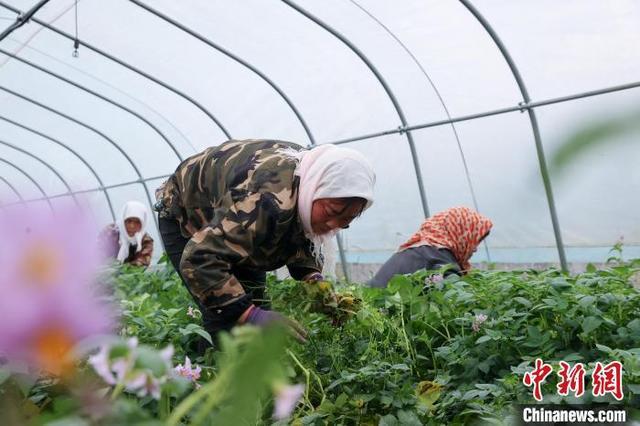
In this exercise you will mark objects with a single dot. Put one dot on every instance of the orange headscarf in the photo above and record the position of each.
(458, 229)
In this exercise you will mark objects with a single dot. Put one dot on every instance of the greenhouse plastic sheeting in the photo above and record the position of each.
(434, 56)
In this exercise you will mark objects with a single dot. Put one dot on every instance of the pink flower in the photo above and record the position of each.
(186, 371)
(287, 398)
(480, 318)
(47, 272)
(193, 313)
(433, 279)
(128, 369)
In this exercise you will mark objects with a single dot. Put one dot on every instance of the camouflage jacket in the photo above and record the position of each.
(237, 202)
(109, 240)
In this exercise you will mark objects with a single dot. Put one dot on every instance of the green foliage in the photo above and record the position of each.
(594, 135)
(419, 352)
(372, 368)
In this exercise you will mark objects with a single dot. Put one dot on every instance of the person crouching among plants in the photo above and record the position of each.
(127, 241)
(447, 238)
(232, 212)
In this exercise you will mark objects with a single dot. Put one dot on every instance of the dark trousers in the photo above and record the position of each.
(253, 281)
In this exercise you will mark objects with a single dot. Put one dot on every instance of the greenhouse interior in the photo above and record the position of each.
(319, 212)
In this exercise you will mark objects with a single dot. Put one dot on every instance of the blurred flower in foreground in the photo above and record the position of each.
(187, 371)
(138, 369)
(287, 398)
(47, 272)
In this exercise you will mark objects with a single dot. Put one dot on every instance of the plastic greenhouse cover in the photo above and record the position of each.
(435, 57)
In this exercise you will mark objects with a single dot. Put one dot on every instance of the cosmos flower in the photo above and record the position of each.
(47, 281)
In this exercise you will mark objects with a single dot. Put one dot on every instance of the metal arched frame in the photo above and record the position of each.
(534, 127)
(94, 130)
(394, 101)
(124, 64)
(435, 89)
(31, 179)
(69, 149)
(233, 57)
(385, 86)
(13, 189)
(22, 19)
(96, 94)
(46, 164)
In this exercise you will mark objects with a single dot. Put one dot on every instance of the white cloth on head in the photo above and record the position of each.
(330, 171)
(131, 209)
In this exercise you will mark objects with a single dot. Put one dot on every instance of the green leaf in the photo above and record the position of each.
(587, 301)
(590, 323)
(600, 133)
(147, 358)
(388, 420)
(408, 418)
(483, 339)
(635, 389)
(522, 301)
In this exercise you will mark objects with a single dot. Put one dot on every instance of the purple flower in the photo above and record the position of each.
(480, 318)
(187, 371)
(128, 369)
(433, 279)
(47, 272)
(287, 398)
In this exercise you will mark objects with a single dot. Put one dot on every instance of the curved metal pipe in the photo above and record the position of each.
(385, 86)
(28, 176)
(22, 19)
(47, 165)
(232, 56)
(96, 94)
(534, 127)
(94, 130)
(124, 64)
(105, 83)
(72, 151)
(442, 102)
(15, 191)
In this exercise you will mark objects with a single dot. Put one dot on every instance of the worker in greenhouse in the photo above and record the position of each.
(127, 241)
(447, 238)
(232, 212)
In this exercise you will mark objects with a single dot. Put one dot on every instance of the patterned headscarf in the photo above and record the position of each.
(458, 229)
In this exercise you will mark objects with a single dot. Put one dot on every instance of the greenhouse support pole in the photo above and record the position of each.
(96, 94)
(519, 107)
(343, 258)
(72, 151)
(47, 165)
(22, 19)
(94, 130)
(15, 191)
(534, 125)
(126, 65)
(30, 178)
(385, 86)
(86, 191)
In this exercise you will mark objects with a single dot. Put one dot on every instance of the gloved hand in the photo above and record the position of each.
(313, 277)
(262, 318)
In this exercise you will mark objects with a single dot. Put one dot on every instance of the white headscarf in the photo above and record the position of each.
(131, 209)
(330, 171)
